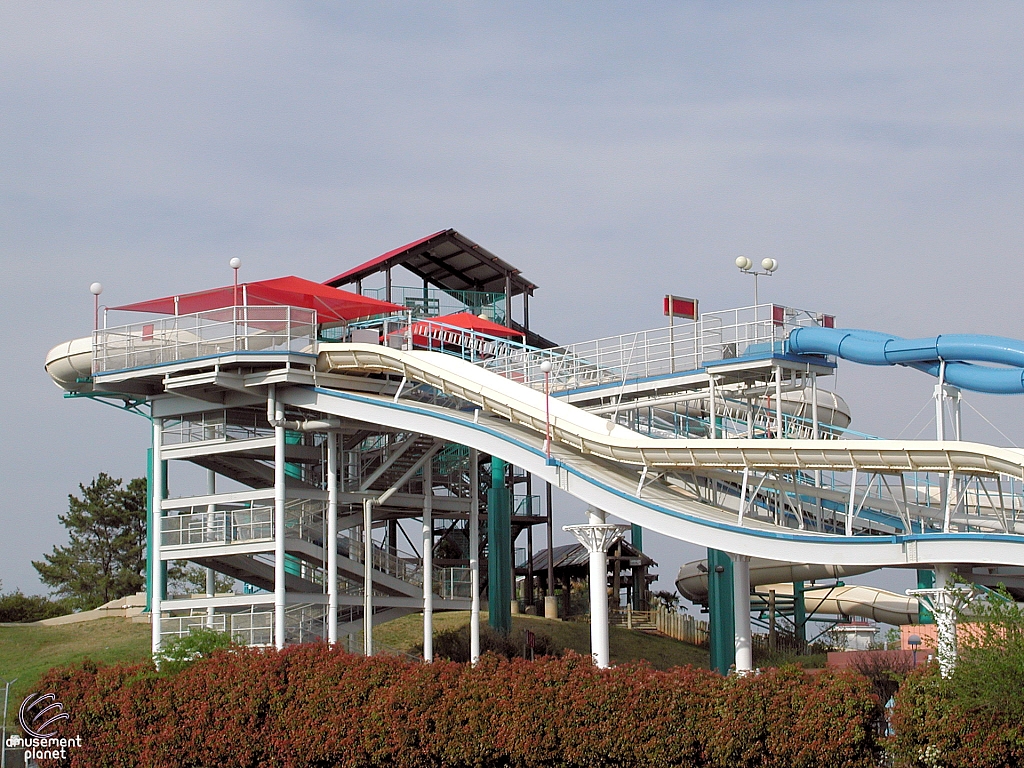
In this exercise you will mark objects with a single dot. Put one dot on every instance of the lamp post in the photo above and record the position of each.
(235, 263)
(96, 289)
(546, 368)
(7, 692)
(746, 266)
(914, 642)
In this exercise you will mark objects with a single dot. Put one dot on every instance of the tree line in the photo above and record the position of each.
(105, 557)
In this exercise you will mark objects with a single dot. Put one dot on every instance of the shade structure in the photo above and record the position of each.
(467, 321)
(331, 304)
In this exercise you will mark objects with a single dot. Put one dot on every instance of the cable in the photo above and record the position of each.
(997, 429)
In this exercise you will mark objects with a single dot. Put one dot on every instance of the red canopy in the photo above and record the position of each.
(466, 320)
(331, 304)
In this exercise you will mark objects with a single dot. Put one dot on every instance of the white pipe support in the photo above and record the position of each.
(368, 577)
(944, 611)
(156, 494)
(332, 538)
(280, 574)
(741, 613)
(599, 643)
(211, 577)
(428, 563)
(474, 557)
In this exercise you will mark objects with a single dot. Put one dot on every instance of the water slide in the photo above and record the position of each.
(609, 466)
(605, 464)
(849, 600)
(959, 352)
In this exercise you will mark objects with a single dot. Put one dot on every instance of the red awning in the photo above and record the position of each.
(331, 304)
(466, 320)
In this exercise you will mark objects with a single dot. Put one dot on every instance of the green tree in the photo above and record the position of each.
(106, 556)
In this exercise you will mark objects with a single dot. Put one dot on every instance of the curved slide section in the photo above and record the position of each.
(960, 352)
(600, 462)
(849, 600)
(692, 581)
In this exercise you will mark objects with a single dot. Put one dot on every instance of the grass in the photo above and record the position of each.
(26, 652)
(625, 645)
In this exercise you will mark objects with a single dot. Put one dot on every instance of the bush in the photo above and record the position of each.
(454, 644)
(199, 643)
(976, 716)
(16, 606)
(312, 706)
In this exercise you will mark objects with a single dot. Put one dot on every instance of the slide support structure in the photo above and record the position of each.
(741, 610)
(499, 550)
(720, 611)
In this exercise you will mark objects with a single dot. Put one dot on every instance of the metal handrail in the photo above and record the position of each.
(203, 334)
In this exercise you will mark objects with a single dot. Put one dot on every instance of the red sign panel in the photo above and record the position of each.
(680, 306)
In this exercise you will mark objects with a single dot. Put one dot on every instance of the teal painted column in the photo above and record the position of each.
(499, 551)
(149, 530)
(721, 619)
(925, 580)
(800, 615)
(636, 538)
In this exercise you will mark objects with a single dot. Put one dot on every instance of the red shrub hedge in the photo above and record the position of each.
(312, 707)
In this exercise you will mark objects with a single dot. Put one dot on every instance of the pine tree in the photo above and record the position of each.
(106, 556)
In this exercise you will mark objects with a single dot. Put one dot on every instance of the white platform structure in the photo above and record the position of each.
(710, 432)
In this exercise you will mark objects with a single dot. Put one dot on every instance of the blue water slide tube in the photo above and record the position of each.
(960, 352)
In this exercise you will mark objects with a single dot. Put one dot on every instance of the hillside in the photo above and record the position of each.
(27, 651)
(660, 652)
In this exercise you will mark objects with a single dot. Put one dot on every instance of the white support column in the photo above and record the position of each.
(778, 402)
(741, 612)
(280, 589)
(474, 557)
(712, 410)
(943, 609)
(743, 495)
(852, 507)
(599, 641)
(156, 494)
(814, 406)
(211, 576)
(940, 415)
(428, 562)
(368, 577)
(597, 537)
(332, 537)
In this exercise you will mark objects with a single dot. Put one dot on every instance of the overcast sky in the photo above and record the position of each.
(613, 152)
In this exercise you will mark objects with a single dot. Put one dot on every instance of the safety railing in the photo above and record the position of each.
(204, 334)
(216, 426)
(253, 627)
(180, 626)
(202, 526)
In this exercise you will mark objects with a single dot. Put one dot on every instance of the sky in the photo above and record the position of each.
(614, 152)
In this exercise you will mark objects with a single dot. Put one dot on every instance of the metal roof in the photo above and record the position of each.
(576, 556)
(447, 260)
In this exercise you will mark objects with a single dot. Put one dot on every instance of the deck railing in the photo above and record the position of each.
(204, 334)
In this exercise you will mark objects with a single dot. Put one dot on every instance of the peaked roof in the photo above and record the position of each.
(576, 556)
(448, 261)
(331, 304)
